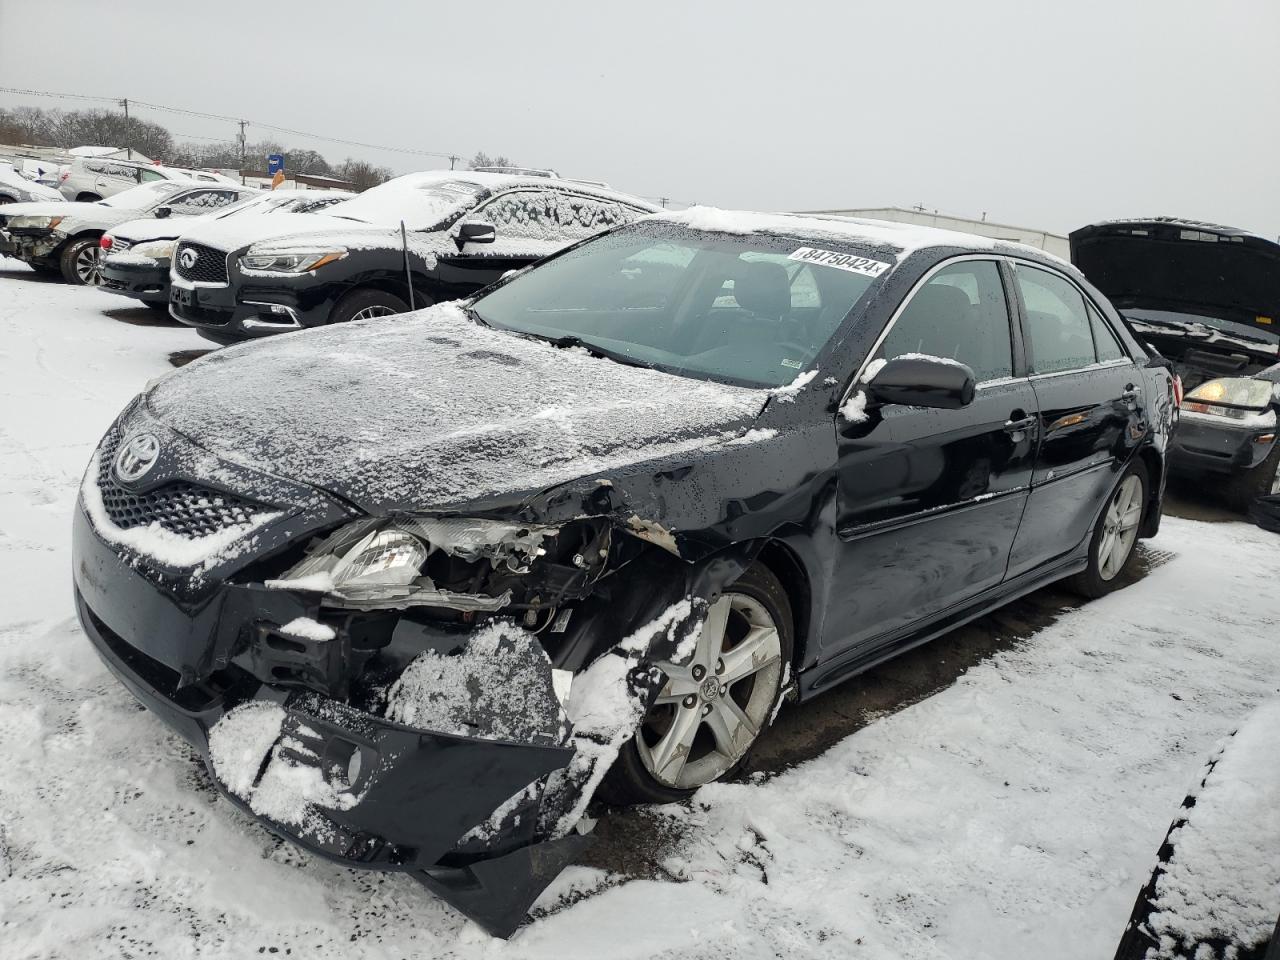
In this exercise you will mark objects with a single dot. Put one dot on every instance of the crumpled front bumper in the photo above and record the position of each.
(30, 246)
(1207, 444)
(418, 792)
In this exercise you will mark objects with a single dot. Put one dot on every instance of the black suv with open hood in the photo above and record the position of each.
(1208, 298)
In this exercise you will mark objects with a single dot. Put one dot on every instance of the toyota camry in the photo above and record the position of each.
(421, 587)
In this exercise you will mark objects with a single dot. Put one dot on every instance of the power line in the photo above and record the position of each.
(440, 155)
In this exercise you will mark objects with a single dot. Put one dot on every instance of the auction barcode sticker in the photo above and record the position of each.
(841, 261)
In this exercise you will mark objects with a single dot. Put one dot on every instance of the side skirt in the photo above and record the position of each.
(823, 676)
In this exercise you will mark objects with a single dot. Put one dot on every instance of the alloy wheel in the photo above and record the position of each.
(1120, 527)
(89, 266)
(368, 313)
(713, 707)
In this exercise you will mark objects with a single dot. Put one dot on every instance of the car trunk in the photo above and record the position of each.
(1207, 297)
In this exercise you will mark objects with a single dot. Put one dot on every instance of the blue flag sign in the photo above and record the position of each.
(275, 162)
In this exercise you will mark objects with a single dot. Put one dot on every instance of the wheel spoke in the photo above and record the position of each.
(732, 729)
(712, 637)
(671, 753)
(759, 647)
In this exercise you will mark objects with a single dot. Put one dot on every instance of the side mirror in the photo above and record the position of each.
(475, 232)
(918, 381)
(162, 212)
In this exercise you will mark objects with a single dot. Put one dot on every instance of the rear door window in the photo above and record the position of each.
(1058, 323)
(1105, 343)
(202, 201)
(960, 314)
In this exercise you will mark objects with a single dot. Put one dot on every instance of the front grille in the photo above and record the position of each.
(186, 509)
(120, 245)
(210, 265)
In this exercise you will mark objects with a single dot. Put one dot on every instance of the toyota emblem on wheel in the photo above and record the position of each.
(188, 258)
(137, 457)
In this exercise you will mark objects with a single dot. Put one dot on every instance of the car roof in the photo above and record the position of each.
(495, 182)
(906, 238)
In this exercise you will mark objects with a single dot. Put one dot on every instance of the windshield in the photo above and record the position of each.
(420, 204)
(139, 198)
(738, 309)
(1242, 330)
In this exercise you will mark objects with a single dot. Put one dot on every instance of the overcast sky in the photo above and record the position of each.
(1041, 114)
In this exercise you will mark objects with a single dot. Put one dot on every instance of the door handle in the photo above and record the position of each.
(1013, 425)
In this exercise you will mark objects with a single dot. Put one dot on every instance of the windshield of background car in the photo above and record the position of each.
(420, 204)
(1244, 331)
(752, 310)
(139, 198)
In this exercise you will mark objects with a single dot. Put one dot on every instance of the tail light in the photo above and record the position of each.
(64, 176)
(105, 244)
(1177, 390)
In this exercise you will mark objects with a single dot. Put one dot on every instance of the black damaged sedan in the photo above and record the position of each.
(420, 588)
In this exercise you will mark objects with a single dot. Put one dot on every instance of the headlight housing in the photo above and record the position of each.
(264, 258)
(1236, 398)
(32, 222)
(380, 563)
(155, 249)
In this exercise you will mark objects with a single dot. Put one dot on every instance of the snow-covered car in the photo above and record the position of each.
(236, 279)
(64, 237)
(1208, 298)
(420, 587)
(136, 255)
(1215, 889)
(15, 187)
(88, 179)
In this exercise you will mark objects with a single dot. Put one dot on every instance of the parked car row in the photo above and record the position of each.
(422, 588)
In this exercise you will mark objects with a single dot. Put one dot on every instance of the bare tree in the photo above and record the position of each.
(361, 173)
(482, 159)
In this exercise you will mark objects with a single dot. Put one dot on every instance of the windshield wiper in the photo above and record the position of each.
(571, 340)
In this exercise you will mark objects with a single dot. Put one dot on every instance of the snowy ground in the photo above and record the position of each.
(1014, 814)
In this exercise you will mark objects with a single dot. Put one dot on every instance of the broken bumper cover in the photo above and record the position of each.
(30, 246)
(415, 793)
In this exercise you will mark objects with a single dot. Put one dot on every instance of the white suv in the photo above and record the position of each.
(96, 178)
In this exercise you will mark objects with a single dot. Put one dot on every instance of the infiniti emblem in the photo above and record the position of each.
(137, 457)
(188, 258)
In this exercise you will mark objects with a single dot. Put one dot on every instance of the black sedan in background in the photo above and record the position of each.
(418, 588)
(1208, 298)
(411, 242)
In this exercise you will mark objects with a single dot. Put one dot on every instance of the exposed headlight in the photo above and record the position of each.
(1238, 392)
(156, 249)
(23, 222)
(270, 259)
(381, 563)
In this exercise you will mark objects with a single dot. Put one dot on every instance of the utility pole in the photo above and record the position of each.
(125, 103)
(453, 160)
(664, 202)
(243, 123)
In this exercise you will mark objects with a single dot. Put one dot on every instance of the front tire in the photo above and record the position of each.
(81, 262)
(366, 304)
(1115, 534)
(714, 708)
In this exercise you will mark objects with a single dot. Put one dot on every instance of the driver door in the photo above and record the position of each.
(929, 500)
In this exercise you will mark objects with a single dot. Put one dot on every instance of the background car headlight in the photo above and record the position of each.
(1237, 391)
(289, 259)
(34, 222)
(156, 249)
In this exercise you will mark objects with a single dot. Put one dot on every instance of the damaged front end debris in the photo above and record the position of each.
(435, 696)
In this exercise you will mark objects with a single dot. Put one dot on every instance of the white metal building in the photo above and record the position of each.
(1050, 242)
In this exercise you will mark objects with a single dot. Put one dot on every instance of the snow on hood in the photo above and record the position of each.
(430, 411)
(233, 233)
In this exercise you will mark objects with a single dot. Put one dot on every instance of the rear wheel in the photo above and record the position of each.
(87, 198)
(1116, 533)
(366, 304)
(81, 262)
(715, 707)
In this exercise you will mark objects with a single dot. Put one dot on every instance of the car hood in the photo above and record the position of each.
(75, 216)
(233, 233)
(1183, 266)
(431, 411)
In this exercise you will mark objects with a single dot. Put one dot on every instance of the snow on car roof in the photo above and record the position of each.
(906, 238)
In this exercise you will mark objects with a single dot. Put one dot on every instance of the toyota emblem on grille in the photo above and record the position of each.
(137, 457)
(188, 258)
